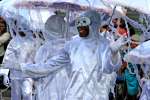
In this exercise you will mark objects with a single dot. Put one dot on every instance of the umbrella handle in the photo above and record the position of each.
(112, 14)
(109, 23)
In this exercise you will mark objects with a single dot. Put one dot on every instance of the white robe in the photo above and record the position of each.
(50, 87)
(90, 60)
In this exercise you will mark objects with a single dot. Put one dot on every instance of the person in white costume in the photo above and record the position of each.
(145, 91)
(93, 59)
(140, 55)
(50, 87)
(21, 49)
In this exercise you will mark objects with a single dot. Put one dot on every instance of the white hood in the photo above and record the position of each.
(55, 26)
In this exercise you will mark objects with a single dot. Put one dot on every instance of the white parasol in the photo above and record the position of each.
(139, 55)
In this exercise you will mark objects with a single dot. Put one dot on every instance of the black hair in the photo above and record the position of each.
(115, 22)
(131, 29)
(123, 25)
(105, 26)
(3, 22)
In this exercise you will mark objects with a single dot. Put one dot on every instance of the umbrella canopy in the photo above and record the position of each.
(36, 16)
(140, 5)
(139, 55)
(72, 5)
(67, 5)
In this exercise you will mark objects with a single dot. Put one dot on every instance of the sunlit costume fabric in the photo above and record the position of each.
(52, 87)
(92, 59)
(20, 50)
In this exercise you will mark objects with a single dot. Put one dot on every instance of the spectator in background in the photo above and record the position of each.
(131, 74)
(4, 37)
(127, 80)
(121, 28)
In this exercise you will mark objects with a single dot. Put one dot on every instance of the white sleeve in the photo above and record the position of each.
(110, 62)
(50, 66)
(10, 57)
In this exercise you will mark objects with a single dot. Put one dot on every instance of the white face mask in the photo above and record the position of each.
(82, 21)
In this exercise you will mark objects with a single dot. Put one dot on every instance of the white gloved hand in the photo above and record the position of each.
(6, 80)
(116, 45)
(4, 71)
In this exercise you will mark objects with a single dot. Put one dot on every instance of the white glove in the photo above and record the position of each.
(116, 45)
(4, 71)
(6, 81)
